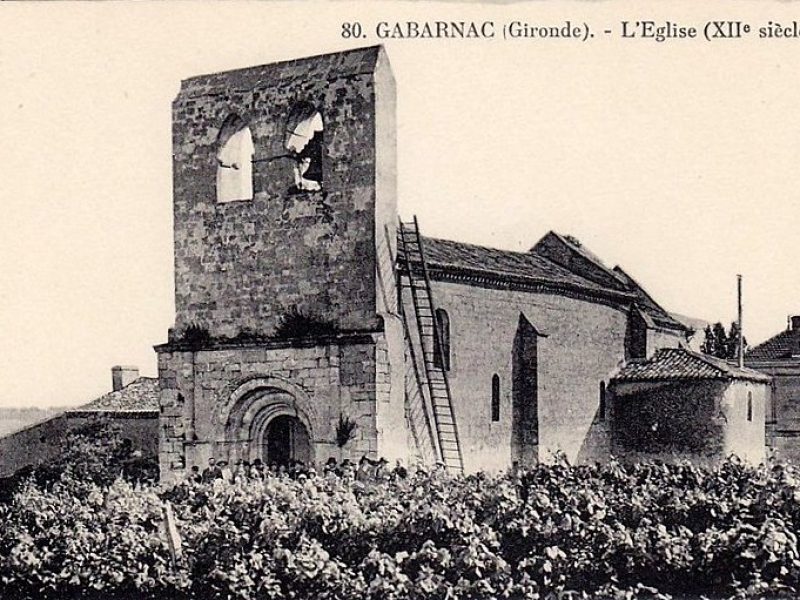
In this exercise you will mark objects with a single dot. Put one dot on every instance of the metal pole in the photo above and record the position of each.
(741, 335)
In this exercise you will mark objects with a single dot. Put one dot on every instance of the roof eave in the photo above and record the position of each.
(435, 270)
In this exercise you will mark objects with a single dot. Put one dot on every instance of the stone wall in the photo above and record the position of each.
(44, 441)
(242, 265)
(345, 377)
(783, 410)
(745, 437)
(33, 445)
(664, 338)
(580, 345)
(703, 421)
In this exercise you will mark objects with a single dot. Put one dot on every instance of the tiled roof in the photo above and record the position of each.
(574, 245)
(645, 300)
(524, 265)
(140, 395)
(535, 268)
(679, 364)
(782, 346)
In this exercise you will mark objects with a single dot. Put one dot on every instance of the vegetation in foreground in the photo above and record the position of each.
(555, 531)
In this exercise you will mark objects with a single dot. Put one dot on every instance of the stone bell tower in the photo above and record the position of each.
(284, 224)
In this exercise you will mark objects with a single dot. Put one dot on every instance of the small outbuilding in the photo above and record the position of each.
(682, 405)
(131, 406)
(779, 357)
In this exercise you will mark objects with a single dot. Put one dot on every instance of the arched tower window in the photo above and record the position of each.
(235, 161)
(749, 406)
(601, 411)
(303, 142)
(495, 397)
(441, 343)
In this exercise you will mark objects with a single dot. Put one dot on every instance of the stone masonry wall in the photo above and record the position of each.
(43, 441)
(32, 445)
(703, 421)
(745, 437)
(668, 421)
(581, 346)
(783, 410)
(197, 387)
(242, 265)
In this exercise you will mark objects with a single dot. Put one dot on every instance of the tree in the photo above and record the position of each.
(720, 340)
(709, 345)
(722, 343)
(733, 342)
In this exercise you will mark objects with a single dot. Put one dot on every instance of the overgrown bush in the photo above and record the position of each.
(607, 532)
(298, 324)
(95, 452)
(195, 336)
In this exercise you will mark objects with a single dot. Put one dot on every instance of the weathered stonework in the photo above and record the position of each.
(242, 266)
(553, 326)
(580, 345)
(208, 392)
(703, 421)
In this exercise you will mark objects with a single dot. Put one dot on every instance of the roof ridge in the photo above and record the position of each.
(586, 253)
(438, 239)
(530, 258)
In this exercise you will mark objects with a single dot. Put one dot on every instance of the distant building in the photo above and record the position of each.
(779, 357)
(697, 340)
(132, 405)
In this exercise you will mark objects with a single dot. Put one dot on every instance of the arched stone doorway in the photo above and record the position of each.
(269, 418)
(285, 440)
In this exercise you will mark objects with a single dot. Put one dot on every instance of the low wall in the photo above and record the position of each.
(42, 441)
(32, 445)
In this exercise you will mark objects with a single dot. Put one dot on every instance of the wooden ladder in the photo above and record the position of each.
(412, 265)
(416, 405)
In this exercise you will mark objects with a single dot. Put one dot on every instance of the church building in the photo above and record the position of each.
(312, 322)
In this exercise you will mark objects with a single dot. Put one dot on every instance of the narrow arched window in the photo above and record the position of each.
(495, 397)
(749, 406)
(601, 411)
(235, 161)
(441, 340)
(304, 130)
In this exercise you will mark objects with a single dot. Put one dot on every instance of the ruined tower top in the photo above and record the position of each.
(284, 187)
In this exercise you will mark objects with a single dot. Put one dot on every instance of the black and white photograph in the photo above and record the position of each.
(399, 300)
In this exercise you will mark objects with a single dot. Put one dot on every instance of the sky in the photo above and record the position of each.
(675, 160)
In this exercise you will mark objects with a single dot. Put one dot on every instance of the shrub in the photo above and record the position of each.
(345, 430)
(297, 324)
(553, 531)
(94, 452)
(195, 336)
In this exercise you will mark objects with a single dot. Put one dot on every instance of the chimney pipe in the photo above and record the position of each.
(794, 322)
(122, 375)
